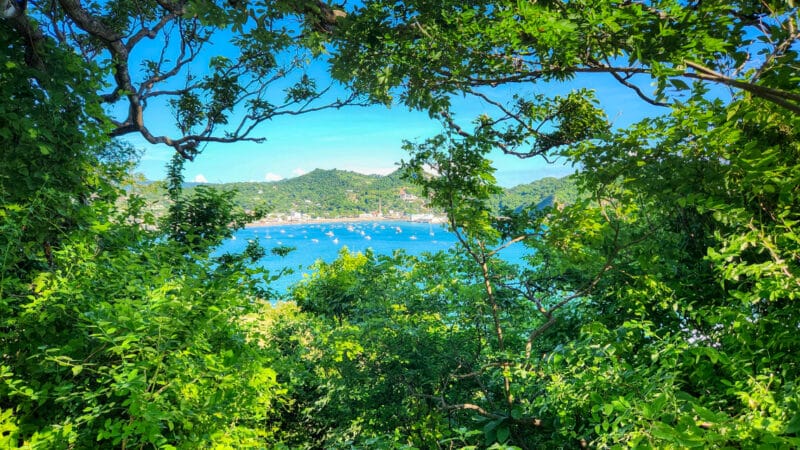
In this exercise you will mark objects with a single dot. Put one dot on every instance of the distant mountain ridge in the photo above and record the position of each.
(340, 193)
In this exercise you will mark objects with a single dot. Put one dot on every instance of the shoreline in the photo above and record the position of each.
(276, 223)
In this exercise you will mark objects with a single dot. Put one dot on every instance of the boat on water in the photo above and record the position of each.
(413, 238)
(329, 234)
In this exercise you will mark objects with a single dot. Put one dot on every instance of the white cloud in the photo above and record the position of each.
(200, 178)
(272, 177)
(299, 172)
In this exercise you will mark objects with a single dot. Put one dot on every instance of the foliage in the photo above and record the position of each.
(658, 310)
(150, 51)
(50, 168)
(379, 319)
(433, 50)
(112, 333)
(126, 338)
(136, 346)
(202, 219)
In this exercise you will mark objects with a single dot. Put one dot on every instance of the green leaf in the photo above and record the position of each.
(705, 413)
(793, 427)
(663, 431)
(503, 433)
(679, 84)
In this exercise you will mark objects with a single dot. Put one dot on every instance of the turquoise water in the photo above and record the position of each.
(323, 241)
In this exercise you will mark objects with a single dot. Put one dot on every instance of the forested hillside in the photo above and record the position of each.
(338, 193)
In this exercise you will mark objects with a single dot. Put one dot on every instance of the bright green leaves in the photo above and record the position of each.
(716, 188)
(657, 310)
(677, 272)
(337, 290)
(8, 429)
(203, 218)
(130, 342)
(124, 339)
(463, 180)
(53, 153)
(375, 324)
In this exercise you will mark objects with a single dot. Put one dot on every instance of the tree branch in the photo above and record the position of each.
(94, 29)
(87, 22)
(33, 37)
(777, 96)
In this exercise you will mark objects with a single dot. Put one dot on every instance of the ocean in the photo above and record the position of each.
(323, 241)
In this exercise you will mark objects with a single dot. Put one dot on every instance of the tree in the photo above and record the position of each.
(113, 333)
(55, 158)
(656, 294)
(386, 337)
(218, 66)
(461, 47)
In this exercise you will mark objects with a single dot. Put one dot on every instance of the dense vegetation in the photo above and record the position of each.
(657, 309)
(339, 193)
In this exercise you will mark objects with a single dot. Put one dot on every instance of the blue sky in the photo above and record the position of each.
(369, 140)
(361, 139)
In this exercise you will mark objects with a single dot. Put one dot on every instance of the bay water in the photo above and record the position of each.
(324, 241)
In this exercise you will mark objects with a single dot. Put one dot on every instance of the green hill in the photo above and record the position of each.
(332, 193)
(339, 193)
